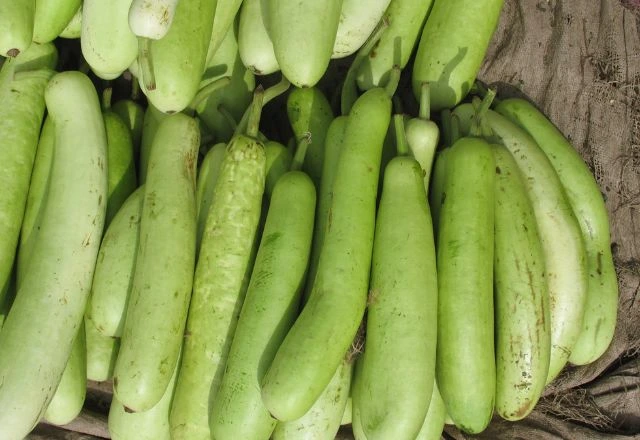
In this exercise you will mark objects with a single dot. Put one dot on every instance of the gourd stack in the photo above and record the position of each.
(273, 220)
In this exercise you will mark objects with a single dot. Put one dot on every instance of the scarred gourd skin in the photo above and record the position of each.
(589, 207)
(51, 299)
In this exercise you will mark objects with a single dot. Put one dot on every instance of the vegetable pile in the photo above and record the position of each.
(260, 241)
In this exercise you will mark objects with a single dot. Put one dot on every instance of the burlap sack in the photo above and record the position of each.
(579, 62)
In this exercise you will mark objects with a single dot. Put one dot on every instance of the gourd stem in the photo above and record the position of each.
(145, 61)
(301, 151)
(253, 123)
(401, 138)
